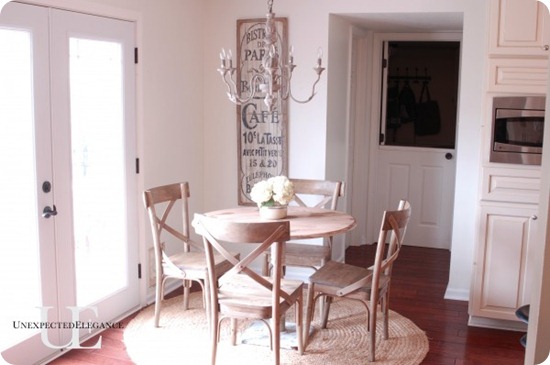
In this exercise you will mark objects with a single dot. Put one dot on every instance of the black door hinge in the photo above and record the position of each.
(381, 138)
(136, 55)
(137, 165)
(139, 271)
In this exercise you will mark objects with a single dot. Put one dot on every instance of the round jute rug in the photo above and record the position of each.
(182, 338)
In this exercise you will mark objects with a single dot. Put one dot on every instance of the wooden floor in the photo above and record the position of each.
(419, 283)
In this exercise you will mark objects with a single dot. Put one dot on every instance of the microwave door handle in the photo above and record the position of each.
(505, 147)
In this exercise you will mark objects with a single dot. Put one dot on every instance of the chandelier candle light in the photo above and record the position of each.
(273, 77)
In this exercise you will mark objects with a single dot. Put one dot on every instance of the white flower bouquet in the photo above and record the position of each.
(277, 190)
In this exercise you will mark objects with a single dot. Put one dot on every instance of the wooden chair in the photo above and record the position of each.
(187, 265)
(369, 286)
(242, 293)
(326, 194)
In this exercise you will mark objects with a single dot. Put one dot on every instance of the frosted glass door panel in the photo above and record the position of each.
(19, 239)
(98, 173)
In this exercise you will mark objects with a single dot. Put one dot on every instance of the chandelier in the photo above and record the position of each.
(273, 77)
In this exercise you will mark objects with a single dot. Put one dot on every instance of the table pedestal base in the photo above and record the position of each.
(258, 334)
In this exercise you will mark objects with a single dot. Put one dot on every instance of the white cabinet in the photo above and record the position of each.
(502, 275)
(517, 65)
(519, 27)
(518, 46)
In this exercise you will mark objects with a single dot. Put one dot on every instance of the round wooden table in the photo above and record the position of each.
(305, 222)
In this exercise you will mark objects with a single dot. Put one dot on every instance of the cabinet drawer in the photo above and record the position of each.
(518, 76)
(511, 185)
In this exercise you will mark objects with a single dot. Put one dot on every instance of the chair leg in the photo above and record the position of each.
(372, 331)
(385, 314)
(186, 293)
(299, 324)
(265, 266)
(214, 330)
(310, 308)
(327, 300)
(158, 298)
(234, 331)
(276, 338)
(206, 298)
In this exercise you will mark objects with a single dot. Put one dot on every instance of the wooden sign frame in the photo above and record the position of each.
(262, 135)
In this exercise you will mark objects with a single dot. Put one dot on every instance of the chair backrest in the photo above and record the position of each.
(394, 225)
(159, 202)
(216, 232)
(329, 191)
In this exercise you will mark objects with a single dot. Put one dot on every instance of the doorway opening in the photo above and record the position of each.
(392, 160)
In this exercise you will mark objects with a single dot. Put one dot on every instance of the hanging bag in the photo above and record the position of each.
(428, 119)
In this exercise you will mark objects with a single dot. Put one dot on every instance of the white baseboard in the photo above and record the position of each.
(168, 288)
(457, 294)
(500, 324)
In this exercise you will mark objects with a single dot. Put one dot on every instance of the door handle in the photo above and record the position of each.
(48, 211)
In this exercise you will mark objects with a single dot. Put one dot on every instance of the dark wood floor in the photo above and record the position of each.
(419, 282)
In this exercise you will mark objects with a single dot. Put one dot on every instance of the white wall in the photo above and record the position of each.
(188, 127)
(309, 27)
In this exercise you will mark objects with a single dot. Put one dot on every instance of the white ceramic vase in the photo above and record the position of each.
(273, 212)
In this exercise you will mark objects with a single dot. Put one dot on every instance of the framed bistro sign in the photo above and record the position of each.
(262, 134)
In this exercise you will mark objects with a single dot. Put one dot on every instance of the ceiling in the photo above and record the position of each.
(407, 22)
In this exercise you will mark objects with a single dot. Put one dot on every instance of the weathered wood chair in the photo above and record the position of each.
(190, 263)
(323, 194)
(242, 293)
(370, 286)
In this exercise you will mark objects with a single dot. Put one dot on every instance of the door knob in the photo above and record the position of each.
(449, 156)
(48, 211)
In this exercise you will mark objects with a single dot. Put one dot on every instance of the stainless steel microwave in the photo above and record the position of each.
(518, 129)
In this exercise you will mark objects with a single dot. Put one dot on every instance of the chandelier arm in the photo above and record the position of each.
(313, 92)
(232, 89)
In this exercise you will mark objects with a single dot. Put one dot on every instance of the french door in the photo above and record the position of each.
(68, 237)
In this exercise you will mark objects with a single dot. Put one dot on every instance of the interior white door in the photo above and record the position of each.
(67, 87)
(414, 160)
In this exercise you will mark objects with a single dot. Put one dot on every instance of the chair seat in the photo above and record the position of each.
(244, 295)
(194, 263)
(347, 275)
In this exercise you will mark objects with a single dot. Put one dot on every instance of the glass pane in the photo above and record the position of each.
(98, 170)
(19, 248)
(422, 87)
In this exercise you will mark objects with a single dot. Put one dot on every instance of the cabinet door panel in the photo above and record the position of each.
(502, 279)
(518, 27)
